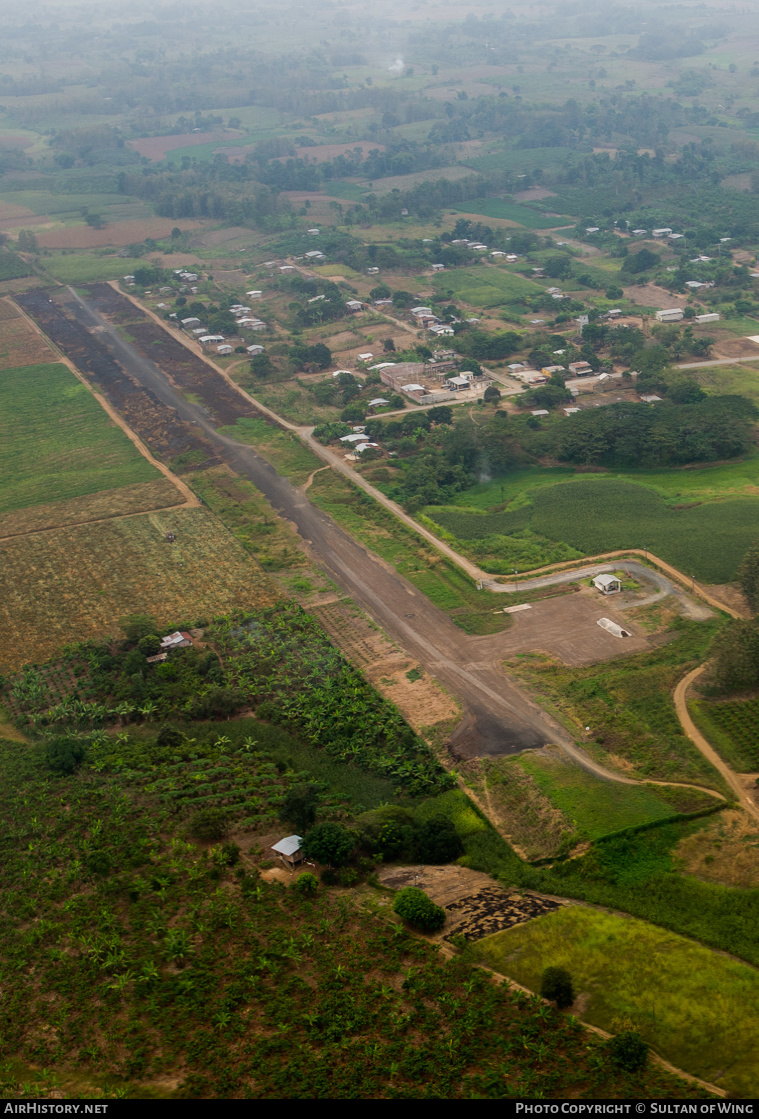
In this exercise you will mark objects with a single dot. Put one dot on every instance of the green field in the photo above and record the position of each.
(56, 442)
(73, 268)
(487, 286)
(695, 1007)
(510, 211)
(732, 727)
(705, 538)
(595, 807)
(12, 267)
(627, 704)
(283, 449)
(523, 159)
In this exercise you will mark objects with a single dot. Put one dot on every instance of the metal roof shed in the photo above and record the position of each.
(288, 849)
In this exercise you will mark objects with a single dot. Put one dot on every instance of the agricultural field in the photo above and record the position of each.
(75, 583)
(628, 974)
(589, 516)
(86, 268)
(20, 343)
(211, 955)
(509, 211)
(732, 727)
(627, 704)
(487, 286)
(57, 442)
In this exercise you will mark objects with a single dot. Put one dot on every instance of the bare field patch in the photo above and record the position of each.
(20, 343)
(141, 497)
(156, 147)
(418, 697)
(726, 851)
(75, 583)
(8, 311)
(118, 233)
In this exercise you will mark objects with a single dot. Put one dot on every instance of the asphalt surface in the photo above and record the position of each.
(499, 718)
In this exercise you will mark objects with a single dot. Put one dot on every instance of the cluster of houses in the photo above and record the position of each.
(243, 319)
(406, 377)
(675, 314)
(428, 320)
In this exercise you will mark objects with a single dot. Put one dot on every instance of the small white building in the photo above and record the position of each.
(607, 584)
(438, 267)
(365, 357)
(224, 350)
(253, 350)
(671, 314)
(664, 232)
(712, 316)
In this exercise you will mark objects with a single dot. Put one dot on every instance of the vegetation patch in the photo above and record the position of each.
(56, 442)
(593, 806)
(282, 448)
(627, 974)
(75, 583)
(627, 705)
(510, 211)
(732, 727)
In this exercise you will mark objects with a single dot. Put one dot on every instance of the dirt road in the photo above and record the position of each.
(501, 719)
(731, 777)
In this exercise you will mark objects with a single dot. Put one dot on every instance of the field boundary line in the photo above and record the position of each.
(702, 743)
(190, 500)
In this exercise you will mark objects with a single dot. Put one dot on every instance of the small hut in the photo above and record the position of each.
(289, 850)
(607, 584)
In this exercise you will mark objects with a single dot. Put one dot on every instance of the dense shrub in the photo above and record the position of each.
(208, 823)
(437, 841)
(329, 843)
(628, 1051)
(419, 910)
(64, 754)
(306, 884)
(556, 986)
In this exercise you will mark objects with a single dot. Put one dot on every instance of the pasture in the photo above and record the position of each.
(81, 268)
(57, 443)
(593, 807)
(72, 584)
(628, 974)
(705, 535)
(487, 286)
(509, 211)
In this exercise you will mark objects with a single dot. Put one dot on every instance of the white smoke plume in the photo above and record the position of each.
(397, 66)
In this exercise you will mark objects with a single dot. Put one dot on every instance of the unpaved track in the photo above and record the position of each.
(711, 755)
(502, 720)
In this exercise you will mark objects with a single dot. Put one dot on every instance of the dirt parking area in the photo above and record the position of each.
(474, 906)
(567, 628)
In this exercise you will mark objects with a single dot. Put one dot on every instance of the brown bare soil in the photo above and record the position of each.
(71, 584)
(20, 344)
(10, 212)
(422, 701)
(726, 850)
(474, 906)
(8, 311)
(651, 295)
(119, 233)
(156, 147)
(142, 497)
(735, 347)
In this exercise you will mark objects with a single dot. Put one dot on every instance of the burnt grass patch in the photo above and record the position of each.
(186, 370)
(155, 423)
